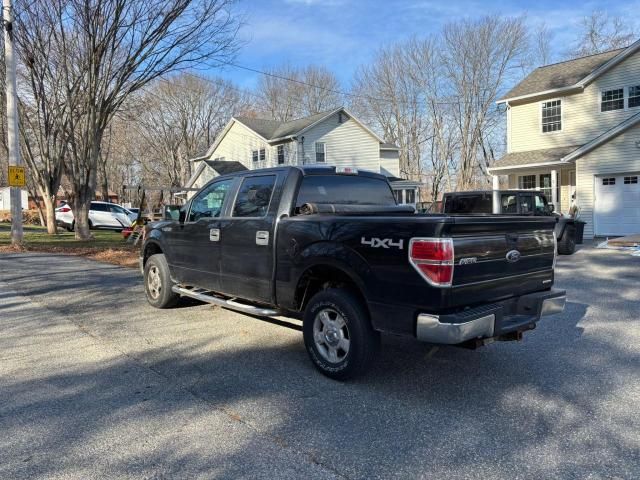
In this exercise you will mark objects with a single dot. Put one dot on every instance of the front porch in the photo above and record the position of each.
(546, 170)
(558, 182)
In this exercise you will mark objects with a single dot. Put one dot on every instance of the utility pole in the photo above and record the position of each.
(12, 120)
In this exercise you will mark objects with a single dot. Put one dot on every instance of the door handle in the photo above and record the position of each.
(214, 234)
(262, 237)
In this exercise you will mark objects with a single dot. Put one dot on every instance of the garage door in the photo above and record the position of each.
(617, 206)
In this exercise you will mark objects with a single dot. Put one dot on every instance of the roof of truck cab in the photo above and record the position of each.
(504, 190)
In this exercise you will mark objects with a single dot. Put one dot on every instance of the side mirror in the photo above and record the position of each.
(182, 216)
(550, 207)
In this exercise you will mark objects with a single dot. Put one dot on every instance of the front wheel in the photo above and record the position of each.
(157, 282)
(338, 334)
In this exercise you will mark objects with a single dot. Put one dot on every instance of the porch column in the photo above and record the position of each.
(554, 190)
(496, 194)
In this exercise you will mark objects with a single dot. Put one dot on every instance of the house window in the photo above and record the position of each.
(254, 156)
(410, 196)
(527, 182)
(280, 149)
(320, 152)
(398, 194)
(545, 184)
(631, 180)
(634, 96)
(612, 100)
(609, 181)
(263, 154)
(551, 116)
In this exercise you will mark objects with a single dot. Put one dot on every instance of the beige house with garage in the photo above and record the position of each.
(335, 137)
(573, 131)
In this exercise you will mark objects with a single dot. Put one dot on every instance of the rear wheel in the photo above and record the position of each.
(157, 282)
(338, 334)
(567, 244)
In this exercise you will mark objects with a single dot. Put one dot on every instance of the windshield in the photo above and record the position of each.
(345, 190)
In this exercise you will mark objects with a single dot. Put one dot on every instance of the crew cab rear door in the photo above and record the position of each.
(247, 236)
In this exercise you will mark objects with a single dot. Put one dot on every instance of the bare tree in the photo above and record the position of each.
(540, 45)
(478, 58)
(395, 93)
(286, 92)
(599, 32)
(106, 50)
(179, 119)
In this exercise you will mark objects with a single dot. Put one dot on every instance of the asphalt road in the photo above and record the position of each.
(94, 383)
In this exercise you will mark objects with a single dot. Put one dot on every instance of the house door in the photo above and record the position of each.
(617, 204)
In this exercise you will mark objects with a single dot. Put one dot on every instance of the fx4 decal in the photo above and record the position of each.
(382, 242)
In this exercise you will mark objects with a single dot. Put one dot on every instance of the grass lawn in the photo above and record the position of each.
(107, 246)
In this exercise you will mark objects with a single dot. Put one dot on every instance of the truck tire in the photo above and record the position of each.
(157, 282)
(567, 244)
(338, 334)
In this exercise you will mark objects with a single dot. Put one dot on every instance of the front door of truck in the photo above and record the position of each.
(194, 245)
(247, 236)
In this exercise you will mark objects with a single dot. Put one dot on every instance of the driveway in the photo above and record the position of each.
(94, 383)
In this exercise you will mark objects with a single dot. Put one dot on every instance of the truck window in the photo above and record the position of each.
(526, 204)
(345, 190)
(509, 203)
(208, 203)
(541, 205)
(472, 203)
(254, 196)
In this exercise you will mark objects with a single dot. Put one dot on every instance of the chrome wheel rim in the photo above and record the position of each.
(331, 335)
(154, 284)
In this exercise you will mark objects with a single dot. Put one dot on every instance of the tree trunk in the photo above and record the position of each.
(50, 210)
(81, 203)
(104, 185)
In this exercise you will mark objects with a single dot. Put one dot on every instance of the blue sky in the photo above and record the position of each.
(343, 34)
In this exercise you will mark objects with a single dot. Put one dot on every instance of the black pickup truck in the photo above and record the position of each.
(515, 202)
(330, 246)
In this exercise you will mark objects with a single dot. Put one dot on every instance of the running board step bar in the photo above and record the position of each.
(232, 304)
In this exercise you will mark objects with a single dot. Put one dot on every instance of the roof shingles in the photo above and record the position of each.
(559, 75)
(533, 157)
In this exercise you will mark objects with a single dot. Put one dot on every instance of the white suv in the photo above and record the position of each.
(101, 215)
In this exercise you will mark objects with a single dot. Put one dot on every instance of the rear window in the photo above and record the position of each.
(345, 190)
(480, 203)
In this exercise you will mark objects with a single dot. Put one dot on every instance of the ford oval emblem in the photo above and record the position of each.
(513, 256)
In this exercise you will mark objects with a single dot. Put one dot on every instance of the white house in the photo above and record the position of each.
(5, 198)
(573, 131)
(335, 138)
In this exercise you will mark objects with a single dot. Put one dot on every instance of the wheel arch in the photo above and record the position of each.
(324, 274)
(151, 248)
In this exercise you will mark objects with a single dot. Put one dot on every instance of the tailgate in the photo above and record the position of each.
(501, 256)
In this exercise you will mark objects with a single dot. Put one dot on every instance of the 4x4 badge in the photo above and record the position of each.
(382, 242)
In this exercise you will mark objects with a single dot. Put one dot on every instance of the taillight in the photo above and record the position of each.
(433, 259)
(64, 209)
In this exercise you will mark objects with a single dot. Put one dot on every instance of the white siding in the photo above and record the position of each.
(620, 155)
(5, 198)
(238, 144)
(581, 117)
(347, 144)
(390, 163)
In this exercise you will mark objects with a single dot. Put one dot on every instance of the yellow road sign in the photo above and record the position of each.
(16, 176)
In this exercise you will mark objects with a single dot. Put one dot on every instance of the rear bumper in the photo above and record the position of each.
(490, 321)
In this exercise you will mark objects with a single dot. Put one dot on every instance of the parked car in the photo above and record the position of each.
(101, 215)
(516, 202)
(331, 247)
